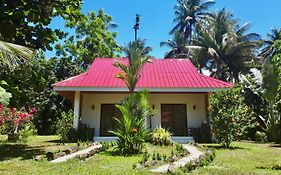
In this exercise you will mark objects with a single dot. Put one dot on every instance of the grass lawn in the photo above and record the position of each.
(246, 158)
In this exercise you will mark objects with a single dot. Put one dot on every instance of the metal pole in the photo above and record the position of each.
(136, 26)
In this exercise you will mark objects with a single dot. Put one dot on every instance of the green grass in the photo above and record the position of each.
(245, 158)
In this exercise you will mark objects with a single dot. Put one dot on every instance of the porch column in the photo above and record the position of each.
(76, 109)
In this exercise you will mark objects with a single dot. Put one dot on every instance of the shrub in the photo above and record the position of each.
(13, 121)
(230, 116)
(65, 127)
(260, 136)
(27, 131)
(161, 136)
(132, 132)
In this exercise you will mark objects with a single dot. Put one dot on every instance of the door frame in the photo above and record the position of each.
(186, 114)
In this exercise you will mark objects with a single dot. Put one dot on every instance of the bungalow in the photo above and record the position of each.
(179, 95)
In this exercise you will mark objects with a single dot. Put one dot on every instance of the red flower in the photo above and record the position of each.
(33, 110)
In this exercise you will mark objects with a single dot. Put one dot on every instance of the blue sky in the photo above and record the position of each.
(157, 18)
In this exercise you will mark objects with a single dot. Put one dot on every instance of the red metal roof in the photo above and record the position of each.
(160, 73)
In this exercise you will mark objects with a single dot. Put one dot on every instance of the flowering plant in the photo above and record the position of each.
(12, 120)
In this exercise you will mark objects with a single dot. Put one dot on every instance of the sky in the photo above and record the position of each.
(157, 18)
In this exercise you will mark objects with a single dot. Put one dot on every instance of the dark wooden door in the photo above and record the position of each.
(107, 121)
(173, 118)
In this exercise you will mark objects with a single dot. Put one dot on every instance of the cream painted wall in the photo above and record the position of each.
(91, 117)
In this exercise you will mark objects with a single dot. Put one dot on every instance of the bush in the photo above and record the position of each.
(13, 121)
(161, 136)
(230, 116)
(132, 132)
(65, 127)
(260, 136)
(27, 131)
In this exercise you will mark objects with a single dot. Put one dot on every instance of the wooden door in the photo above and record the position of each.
(174, 118)
(107, 121)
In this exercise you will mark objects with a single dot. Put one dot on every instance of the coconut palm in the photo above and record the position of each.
(177, 46)
(229, 49)
(136, 52)
(188, 13)
(269, 50)
(13, 54)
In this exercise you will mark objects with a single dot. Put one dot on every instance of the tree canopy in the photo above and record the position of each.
(26, 21)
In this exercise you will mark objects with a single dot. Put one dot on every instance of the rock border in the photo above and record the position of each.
(88, 152)
(194, 154)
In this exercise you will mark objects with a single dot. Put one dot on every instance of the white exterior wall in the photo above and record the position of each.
(91, 117)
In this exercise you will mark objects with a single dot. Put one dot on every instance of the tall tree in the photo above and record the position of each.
(269, 49)
(25, 22)
(188, 13)
(92, 39)
(229, 48)
(177, 46)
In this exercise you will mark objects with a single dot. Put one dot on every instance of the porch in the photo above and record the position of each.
(176, 139)
(178, 112)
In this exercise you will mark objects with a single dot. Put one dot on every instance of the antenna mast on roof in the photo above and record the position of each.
(136, 26)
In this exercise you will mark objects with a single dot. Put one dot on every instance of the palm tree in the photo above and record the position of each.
(269, 49)
(13, 54)
(177, 46)
(136, 52)
(229, 49)
(188, 13)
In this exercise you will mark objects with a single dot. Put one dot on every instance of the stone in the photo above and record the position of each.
(186, 152)
(75, 149)
(92, 152)
(68, 151)
(202, 157)
(38, 158)
(60, 154)
(153, 162)
(173, 159)
(138, 166)
(172, 167)
(51, 155)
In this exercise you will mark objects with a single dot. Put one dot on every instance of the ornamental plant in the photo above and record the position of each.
(230, 116)
(12, 121)
(162, 137)
(132, 131)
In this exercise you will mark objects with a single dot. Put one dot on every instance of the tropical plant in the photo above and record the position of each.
(188, 13)
(12, 121)
(230, 116)
(13, 54)
(131, 70)
(177, 46)
(132, 132)
(269, 49)
(268, 93)
(229, 49)
(65, 127)
(4, 96)
(161, 136)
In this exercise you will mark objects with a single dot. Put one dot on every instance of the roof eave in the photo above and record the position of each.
(122, 89)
